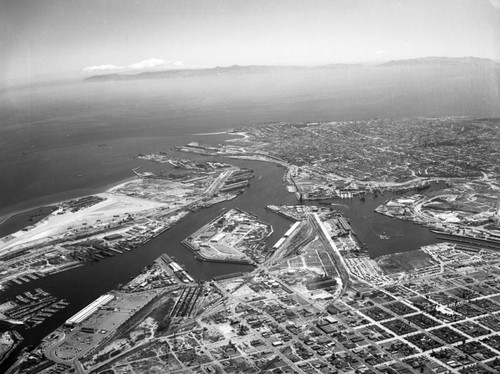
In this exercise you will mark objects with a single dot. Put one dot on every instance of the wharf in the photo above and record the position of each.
(464, 239)
(17, 341)
(228, 276)
(280, 213)
(199, 256)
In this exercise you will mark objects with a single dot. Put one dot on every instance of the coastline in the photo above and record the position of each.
(243, 134)
(7, 212)
(9, 215)
(53, 200)
(211, 133)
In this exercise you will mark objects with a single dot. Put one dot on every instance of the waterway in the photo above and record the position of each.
(61, 142)
(82, 285)
(21, 220)
(382, 234)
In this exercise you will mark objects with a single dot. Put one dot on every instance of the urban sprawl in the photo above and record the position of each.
(316, 301)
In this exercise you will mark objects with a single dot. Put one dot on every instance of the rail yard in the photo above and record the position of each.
(316, 301)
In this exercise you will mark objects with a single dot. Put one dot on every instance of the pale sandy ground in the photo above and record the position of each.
(5, 217)
(57, 224)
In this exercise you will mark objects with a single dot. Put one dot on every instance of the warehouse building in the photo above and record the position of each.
(90, 309)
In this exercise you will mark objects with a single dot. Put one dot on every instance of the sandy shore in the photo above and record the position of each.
(100, 214)
(106, 188)
(54, 224)
(119, 185)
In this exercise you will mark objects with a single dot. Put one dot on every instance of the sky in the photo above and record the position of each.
(44, 40)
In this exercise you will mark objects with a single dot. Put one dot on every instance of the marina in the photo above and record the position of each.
(32, 308)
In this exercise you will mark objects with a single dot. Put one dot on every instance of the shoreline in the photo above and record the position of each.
(47, 200)
(106, 188)
(211, 133)
(44, 201)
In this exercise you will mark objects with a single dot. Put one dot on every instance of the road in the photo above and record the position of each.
(50, 351)
(299, 238)
(340, 264)
(218, 182)
(303, 235)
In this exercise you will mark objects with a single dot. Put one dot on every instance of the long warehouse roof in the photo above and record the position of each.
(89, 309)
(278, 243)
(292, 228)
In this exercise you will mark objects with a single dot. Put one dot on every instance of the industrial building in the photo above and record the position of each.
(217, 237)
(291, 229)
(279, 243)
(90, 309)
(175, 266)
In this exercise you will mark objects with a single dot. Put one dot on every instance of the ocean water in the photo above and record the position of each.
(66, 140)
(60, 142)
(82, 285)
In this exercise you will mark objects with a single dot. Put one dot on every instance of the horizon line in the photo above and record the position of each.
(125, 72)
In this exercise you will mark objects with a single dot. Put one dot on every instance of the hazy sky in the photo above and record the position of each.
(53, 39)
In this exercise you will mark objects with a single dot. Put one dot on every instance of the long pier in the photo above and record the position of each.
(471, 241)
(280, 213)
(228, 276)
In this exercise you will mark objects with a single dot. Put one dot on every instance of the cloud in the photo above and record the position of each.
(142, 65)
(148, 64)
(495, 3)
(92, 69)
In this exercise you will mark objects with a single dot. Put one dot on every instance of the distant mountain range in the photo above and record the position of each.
(182, 73)
(218, 70)
(256, 69)
(441, 61)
